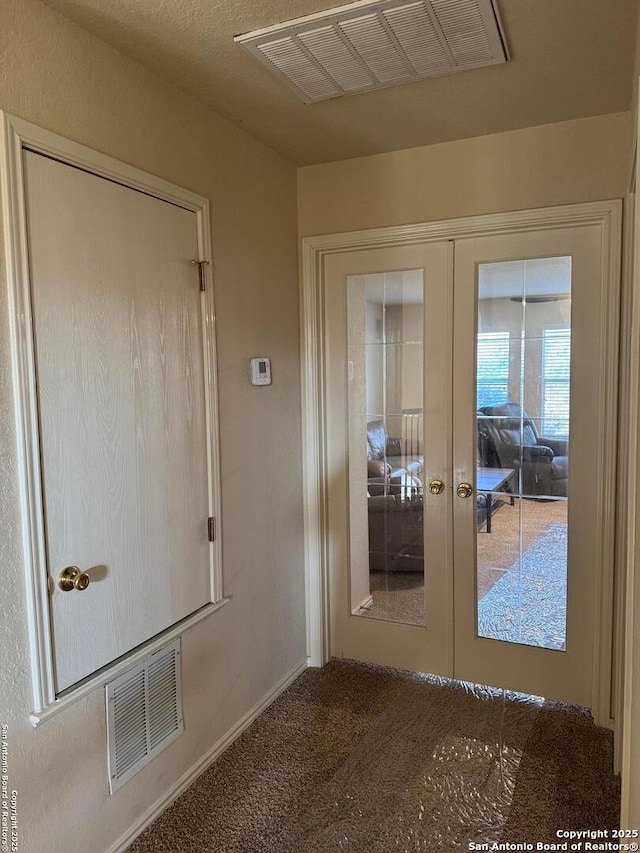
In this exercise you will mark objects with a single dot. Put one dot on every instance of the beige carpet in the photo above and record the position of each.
(362, 759)
(399, 596)
(500, 549)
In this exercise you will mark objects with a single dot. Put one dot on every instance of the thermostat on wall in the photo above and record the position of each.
(261, 371)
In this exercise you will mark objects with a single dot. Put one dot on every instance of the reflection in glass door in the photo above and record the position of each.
(523, 358)
(386, 456)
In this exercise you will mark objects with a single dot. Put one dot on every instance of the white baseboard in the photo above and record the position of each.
(208, 758)
(365, 604)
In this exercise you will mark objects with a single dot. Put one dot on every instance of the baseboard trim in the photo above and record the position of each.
(208, 758)
(365, 604)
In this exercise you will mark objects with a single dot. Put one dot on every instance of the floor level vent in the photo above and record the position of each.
(366, 45)
(144, 713)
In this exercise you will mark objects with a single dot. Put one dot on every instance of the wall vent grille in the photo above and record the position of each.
(144, 713)
(367, 46)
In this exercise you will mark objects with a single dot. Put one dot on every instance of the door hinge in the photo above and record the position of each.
(201, 265)
(211, 529)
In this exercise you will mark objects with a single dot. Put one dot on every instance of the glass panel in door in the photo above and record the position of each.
(523, 357)
(385, 329)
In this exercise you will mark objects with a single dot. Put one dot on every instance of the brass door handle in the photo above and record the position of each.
(436, 487)
(72, 578)
(464, 490)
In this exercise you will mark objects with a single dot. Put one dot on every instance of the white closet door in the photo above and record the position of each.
(119, 360)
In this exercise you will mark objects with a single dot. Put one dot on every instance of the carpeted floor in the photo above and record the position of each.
(365, 759)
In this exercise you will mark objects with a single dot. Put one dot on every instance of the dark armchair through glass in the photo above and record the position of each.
(509, 438)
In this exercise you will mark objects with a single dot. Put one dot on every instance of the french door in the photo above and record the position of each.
(458, 374)
(364, 292)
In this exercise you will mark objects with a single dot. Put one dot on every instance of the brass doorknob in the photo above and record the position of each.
(72, 578)
(436, 487)
(464, 490)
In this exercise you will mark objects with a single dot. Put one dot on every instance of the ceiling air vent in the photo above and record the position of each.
(144, 713)
(366, 46)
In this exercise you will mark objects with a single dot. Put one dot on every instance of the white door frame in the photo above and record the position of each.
(17, 135)
(629, 528)
(607, 215)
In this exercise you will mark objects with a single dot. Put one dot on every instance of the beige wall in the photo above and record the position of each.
(59, 77)
(574, 161)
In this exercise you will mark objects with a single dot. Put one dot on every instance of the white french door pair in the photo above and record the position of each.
(457, 376)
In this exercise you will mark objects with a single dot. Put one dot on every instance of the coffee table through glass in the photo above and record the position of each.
(492, 480)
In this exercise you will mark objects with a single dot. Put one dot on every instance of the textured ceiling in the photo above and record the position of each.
(570, 58)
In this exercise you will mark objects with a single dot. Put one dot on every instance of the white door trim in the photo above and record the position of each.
(15, 136)
(605, 214)
(628, 526)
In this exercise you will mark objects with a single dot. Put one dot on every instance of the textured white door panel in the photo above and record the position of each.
(119, 359)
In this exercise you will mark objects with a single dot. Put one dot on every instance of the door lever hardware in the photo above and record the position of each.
(464, 490)
(201, 265)
(72, 578)
(436, 487)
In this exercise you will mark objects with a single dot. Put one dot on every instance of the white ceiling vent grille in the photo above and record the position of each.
(144, 713)
(367, 45)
